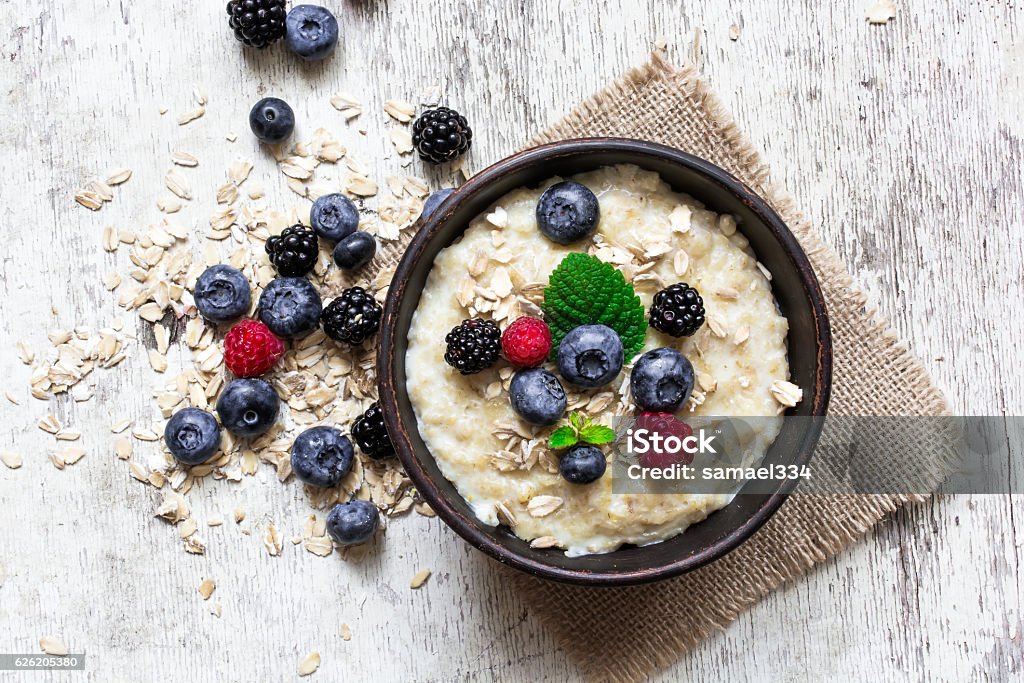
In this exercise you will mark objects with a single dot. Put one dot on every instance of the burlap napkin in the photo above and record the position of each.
(623, 634)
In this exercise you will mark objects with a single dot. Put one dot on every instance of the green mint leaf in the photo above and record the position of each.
(584, 290)
(576, 420)
(563, 437)
(597, 434)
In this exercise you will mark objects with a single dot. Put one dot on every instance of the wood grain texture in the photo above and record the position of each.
(902, 142)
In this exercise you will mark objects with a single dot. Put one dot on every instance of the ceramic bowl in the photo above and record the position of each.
(796, 290)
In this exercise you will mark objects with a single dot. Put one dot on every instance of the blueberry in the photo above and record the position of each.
(582, 464)
(248, 407)
(222, 294)
(334, 216)
(434, 201)
(272, 120)
(290, 307)
(661, 381)
(321, 456)
(311, 32)
(537, 396)
(355, 251)
(567, 212)
(353, 522)
(590, 355)
(192, 436)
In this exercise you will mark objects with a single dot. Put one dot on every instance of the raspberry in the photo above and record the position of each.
(251, 349)
(526, 342)
(664, 425)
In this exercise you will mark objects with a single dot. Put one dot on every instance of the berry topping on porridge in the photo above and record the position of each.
(612, 299)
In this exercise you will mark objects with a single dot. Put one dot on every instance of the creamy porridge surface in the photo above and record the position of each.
(500, 464)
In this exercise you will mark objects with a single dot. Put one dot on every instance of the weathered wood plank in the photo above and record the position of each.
(902, 141)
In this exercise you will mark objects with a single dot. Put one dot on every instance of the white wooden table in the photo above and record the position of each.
(903, 142)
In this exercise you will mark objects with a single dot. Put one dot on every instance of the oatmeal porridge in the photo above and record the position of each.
(504, 465)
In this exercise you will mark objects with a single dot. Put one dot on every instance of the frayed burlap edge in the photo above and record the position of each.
(623, 634)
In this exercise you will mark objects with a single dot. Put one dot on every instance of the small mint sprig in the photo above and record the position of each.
(580, 429)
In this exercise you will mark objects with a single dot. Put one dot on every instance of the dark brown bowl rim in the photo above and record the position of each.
(467, 528)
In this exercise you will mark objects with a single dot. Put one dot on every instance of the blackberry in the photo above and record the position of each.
(353, 317)
(257, 23)
(473, 345)
(677, 310)
(441, 135)
(372, 436)
(294, 251)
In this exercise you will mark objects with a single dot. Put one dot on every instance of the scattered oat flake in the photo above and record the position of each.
(12, 398)
(111, 280)
(542, 506)
(123, 448)
(401, 139)
(89, 200)
(400, 110)
(194, 545)
(177, 184)
(420, 578)
(50, 424)
(272, 541)
(346, 632)
(11, 460)
(881, 11)
(71, 455)
(187, 528)
(25, 353)
(207, 587)
(143, 434)
(734, 32)
(190, 116)
(118, 176)
(53, 645)
(361, 186)
(347, 104)
(309, 664)
(184, 159)
(319, 545)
